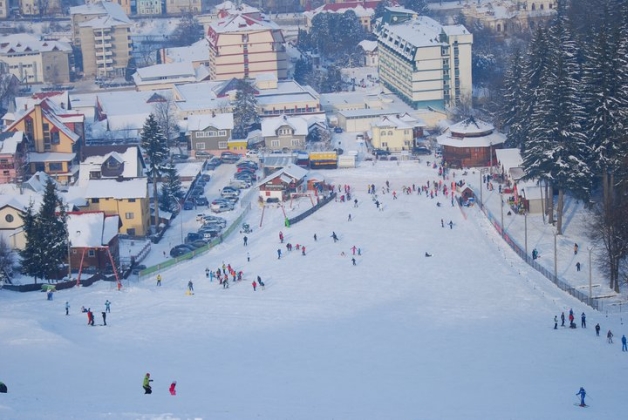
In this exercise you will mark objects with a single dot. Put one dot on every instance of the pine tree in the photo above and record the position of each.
(419, 6)
(170, 189)
(512, 114)
(557, 148)
(244, 110)
(155, 146)
(46, 237)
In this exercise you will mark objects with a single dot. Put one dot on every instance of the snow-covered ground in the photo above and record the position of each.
(464, 334)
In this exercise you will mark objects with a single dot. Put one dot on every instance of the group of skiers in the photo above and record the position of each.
(583, 324)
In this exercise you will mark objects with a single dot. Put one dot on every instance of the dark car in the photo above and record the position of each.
(197, 191)
(230, 158)
(179, 157)
(381, 152)
(248, 163)
(188, 205)
(337, 130)
(179, 250)
(202, 201)
(421, 150)
(212, 163)
(205, 177)
(199, 243)
(136, 270)
(193, 236)
(203, 154)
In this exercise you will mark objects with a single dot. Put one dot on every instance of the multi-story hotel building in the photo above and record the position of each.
(33, 60)
(423, 62)
(243, 47)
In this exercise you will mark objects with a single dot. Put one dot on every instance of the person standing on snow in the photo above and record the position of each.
(146, 384)
(279, 254)
(623, 343)
(555, 322)
(246, 241)
(582, 394)
(172, 388)
(190, 286)
(254, 284)
(107, 306)
(597, 329)
(609, 337)
(583, 320)
(562, 319)
(67, 308)
(334, 236)
(158, 279)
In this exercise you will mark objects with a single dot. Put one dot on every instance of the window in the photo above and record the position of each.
(95, 200)
(222, 144)
(55, 167)
(390, 133)
(382, 133)
(295, 142)
(54, 137)
(94, 175)
(274, 143)
(129, 215)
(199, 146)
(131, 200)
(9, 218)
(91, 253)
(222, 133)
(130, 232)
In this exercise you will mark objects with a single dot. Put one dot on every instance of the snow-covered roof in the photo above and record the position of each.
(219, 121)
(232, 8)
(130, 157)
(180, 72)
(112, 188)
(368, 46)
(37, 182)
(35, 157)
(27, 43)
(9, 141)
(92, 229)
(404, 38)
(102, 8)
(272, 124)
(472, 126)
(471, 133)
(18, 202)
(198, 51)
(509, 158)
(126, 110)
(237, 23)
(55, 114)
(287, 174)
(400, 122)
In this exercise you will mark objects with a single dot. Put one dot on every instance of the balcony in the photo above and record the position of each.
(107, 61)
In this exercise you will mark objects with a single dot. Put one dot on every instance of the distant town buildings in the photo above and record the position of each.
(424, 63)
(33, 60)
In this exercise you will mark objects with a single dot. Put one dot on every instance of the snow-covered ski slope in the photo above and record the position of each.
(466, 334)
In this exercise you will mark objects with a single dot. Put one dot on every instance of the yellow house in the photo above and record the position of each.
(127, 198)
(393, 133)
(54, 136)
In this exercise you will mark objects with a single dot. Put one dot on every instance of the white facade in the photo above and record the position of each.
(425, 63)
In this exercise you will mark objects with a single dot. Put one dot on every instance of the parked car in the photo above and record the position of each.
(381, 152)
(203, 154)
(205, 177)
(229, 192)
(202, 201)
(220, 207)
(232, 200)
(248, 163)
(252, 153)
(211, 219)
(337, 130)
(421, 150)
(230, 158)
(212, 163)
(193, 236)
(239, 184)
(178, 157)
(197, 191)
(188, 205)
(136, 270)
(179, 250)
(199, 244)
(272, 200)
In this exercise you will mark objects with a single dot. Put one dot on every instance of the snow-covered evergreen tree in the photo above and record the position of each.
(244, 110)
(154, 144)
(512, 113)
(170, 189)
(556, 148)
(46, 237)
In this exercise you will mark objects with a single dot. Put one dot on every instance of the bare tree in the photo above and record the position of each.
(165, 115)
(6, 261)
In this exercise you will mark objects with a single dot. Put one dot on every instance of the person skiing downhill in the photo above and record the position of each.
(146, 384)
(582, 394)
(172, 388)
(555, 322)
(623, 343)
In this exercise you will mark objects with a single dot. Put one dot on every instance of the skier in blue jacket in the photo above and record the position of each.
(582, 394)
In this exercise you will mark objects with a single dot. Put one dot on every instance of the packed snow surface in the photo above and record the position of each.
(464, 334)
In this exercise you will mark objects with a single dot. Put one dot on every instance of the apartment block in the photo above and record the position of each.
(423, 62)
(244, 47)
(103, 32)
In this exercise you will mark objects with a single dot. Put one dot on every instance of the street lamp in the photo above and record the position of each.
(555, 257)
(502, 212)
(590, 286)
(525, 221)
(490, 148)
